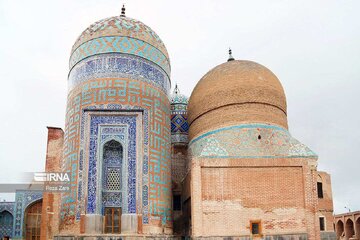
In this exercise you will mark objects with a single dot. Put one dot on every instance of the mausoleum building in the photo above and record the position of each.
(145, 162)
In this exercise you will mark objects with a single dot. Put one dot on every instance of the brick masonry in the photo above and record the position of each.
(51, 201)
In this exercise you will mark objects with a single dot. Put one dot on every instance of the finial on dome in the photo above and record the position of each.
(123, 11)
(176, 89)
(231, 58)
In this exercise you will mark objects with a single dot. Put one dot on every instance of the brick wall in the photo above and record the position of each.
(325, 204)
(226, 194)
(51, 201)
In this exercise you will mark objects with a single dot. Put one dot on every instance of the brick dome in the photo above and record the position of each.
(236, 92)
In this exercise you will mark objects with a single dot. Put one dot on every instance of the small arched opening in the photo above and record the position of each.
(6, 223)
(357, 228)
(33, 221)
(349, 229)
(339, 229)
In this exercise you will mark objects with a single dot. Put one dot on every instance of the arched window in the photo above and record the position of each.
(112, 185)
(6, 218)
(33, 221)
(349, 229)
(6, 223)
(339, 229)
(357, 227)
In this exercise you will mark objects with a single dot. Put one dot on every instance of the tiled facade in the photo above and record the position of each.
(249, 140)
(23, 199)
(215, 166)
(118, 90)
(179, 152)
(6, 219)
(179, 123)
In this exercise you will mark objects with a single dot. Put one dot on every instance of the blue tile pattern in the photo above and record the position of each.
(7, 211)
(121, 26)
(95, 136)
(117, 66)
(23, 199)
(114, 83)
(120, 44)
(249, 141)
(179, 122)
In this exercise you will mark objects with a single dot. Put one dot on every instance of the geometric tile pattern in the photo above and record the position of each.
(249, 141)
(23, 198)
(98, 137)
(179, 123)
(120, 44)
(7, 206)
(121, 26)
(121, 94)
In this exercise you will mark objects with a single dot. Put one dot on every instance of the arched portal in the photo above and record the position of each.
(112, 185)
(357, 228)
(33, 221)
(6, 223)
(349, 229)
(339, 229)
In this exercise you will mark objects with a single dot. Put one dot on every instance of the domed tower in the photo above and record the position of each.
(237, 92)
(179, 123)
(117, 135)
(179, 143)
(248, 176)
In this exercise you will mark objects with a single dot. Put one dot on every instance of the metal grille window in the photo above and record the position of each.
(113, 179)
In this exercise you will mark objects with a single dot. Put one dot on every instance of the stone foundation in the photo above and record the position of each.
(117, 237)
(327, 235)
(164, 237)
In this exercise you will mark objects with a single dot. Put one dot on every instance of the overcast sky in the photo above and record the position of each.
(312, 46)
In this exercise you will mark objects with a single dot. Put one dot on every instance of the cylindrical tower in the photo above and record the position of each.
(179, 123)
(179, 145)
(117, 133)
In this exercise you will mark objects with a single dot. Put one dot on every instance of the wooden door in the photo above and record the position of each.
(33, 221)
(112, 220)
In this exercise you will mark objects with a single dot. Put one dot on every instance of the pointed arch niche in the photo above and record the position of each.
(111, 169)
(112, 174)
